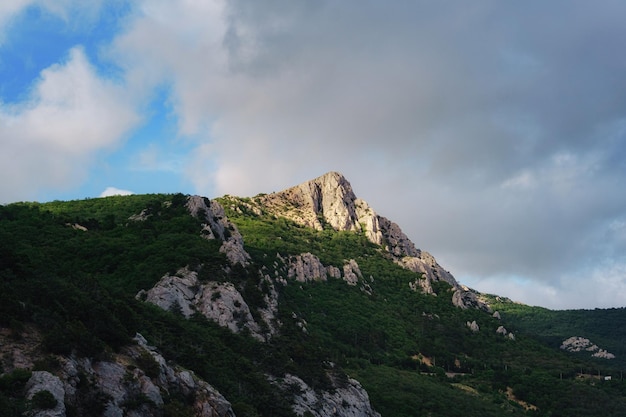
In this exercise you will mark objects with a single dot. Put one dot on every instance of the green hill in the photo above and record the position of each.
(77, 279)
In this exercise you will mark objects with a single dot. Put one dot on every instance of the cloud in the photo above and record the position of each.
(111, 191)
(49, 140)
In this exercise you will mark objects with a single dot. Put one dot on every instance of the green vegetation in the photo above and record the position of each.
(604, 327)
(72, 270)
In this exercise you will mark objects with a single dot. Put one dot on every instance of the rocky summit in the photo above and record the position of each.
(329, 200)
(303, 302)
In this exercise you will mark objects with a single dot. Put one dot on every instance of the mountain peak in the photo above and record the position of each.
(326, 199)
(329, 200)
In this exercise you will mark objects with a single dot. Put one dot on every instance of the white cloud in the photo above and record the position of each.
(111, 191)
(49, 140)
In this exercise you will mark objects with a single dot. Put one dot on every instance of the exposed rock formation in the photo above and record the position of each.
(501, 330)
(44, 381)
(473, 326)
(350, 400)
(465, 297)
(130, 383)
(306, 267)
(218, 301)
(217, 226)
(580, 344)
(351, 272)
(330, 201)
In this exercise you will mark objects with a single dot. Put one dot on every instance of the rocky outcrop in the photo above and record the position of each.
(464, 297)
(473, 326)
(352, 272)
(42, 382)
(134, 383)
(217, 301)
(504, 332)
(217, 226)
(327, 199)
(350, 400)
(306, 267)
(581, 344)
(330, 201)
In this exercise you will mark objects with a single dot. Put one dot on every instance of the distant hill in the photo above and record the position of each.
(303, 302)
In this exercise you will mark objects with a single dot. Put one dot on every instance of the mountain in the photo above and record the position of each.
(301, 302)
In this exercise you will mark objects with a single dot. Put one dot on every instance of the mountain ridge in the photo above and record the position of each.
(173, 305)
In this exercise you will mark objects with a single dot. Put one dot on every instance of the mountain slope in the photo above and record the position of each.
(301, 302)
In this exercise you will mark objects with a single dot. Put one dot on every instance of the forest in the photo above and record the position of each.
(71, 271)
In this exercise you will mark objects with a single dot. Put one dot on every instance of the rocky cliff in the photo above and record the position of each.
(135, 382)
(329, 201)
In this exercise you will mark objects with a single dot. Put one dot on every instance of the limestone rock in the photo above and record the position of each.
(306, 267)
(496, 315)
(330, 200)
(128, 390)
(350, 400)
(217, 226)
(351, 272)
(208, 401)
(501, 330)
(174, 291)
(473, 326)
(220, 302)
(465, 297)
(45, 381)
(581, 344)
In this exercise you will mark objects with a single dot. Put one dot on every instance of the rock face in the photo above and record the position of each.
(581, 344)
(217, 226)
(473, 326)
(306, 267)
(217, 301)
(330, 201)
(350, 400)
(328, 198)
(464, 297)
(504, 332)
(130, 383)
(42, 381)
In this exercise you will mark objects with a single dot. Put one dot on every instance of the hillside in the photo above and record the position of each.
(302, 302)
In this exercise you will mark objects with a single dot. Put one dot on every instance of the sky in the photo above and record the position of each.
(492, 132)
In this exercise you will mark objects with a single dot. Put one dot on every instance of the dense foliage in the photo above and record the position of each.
(72, 270)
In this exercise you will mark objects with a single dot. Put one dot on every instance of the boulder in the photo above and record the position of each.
(42, 381)
(348, 400)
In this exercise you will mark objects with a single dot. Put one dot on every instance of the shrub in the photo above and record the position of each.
(43, 400)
